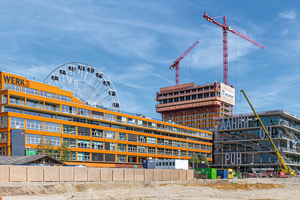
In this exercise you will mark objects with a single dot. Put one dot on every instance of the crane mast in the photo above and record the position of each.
(225, 42)
(176, 62)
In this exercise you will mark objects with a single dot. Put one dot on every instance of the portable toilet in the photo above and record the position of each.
(223, 173)
(230, 173)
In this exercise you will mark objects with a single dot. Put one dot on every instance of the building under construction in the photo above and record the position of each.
(195, 105)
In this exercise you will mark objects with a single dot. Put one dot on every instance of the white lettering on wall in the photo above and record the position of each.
(235, 123)
(234, 158)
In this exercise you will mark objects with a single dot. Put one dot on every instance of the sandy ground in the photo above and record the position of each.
(254, 189)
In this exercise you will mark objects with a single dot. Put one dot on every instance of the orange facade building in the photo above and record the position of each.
(97, 137)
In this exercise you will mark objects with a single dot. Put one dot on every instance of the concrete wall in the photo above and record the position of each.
(14, 173)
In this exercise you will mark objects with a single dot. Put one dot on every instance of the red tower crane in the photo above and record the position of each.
(176, 62)
(225, 42)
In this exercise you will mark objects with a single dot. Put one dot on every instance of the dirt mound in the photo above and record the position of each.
(245, 186)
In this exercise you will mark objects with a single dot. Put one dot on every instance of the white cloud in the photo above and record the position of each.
(288, 14)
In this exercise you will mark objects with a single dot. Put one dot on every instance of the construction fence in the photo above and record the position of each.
(15, 173)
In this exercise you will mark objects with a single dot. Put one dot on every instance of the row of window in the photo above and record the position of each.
(108, 117)
(36, 139)
(68, 129)
(8, 86)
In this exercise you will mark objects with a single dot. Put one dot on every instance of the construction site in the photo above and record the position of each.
(200, 105)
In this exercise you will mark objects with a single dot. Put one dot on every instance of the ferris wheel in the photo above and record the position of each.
(88, 84)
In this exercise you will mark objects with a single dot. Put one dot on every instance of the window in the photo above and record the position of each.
(68, 129)
(142, 139)
(203, 134)
(151, 140)
(52, 127)
(121, 119)
(28, 112)
(122, 136)
(4, 151)
(97, 115)
(160, 141)
(83, 144)
(132, 148)
(8, 86)
(169, 128)
(69, 109)
(122, 147)
(132, 121)
(54, 140)
(33, 139)
(176, 143)
(190, 145)
(190, 154)
(110, 134)
(197, 133)
(83, 156)
(190, 132)
(208, 136)
(183, 153)
(151, 125)
(168, 142)
(64, 98)
(197, 146)
(169, 152)
(4, 136)
(16, 122)
(160, 151)
(8, 109)
(151, 150)
(4, 99)
(73, 155)
(30, 91)
(203, 147)
(64, 118)
(47, 115)
(176, 153)
(183, 144)
(111, 146)
(105, 124)
(121, 158)
(208, 148)
(47, 94)
(176, 130)
(142, 149)
(183, 131)
(4, 121)
(83, 131)
(79, 120)
(160, 126)
(34, 125)
(52, 107)
(16, 100)
(97, 145)
(110, 117)
(83, 112)
(97, 133)
(70, 141)
(142, 123)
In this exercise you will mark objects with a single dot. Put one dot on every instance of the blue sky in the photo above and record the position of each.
(135, 42)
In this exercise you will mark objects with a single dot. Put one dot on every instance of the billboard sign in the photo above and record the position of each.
(227, 94)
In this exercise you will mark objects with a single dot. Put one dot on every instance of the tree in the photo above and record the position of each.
(66, 151)
(48, 148)
(205, 161)
(196, 159)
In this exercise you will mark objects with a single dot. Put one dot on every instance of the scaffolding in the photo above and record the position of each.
(194, 105)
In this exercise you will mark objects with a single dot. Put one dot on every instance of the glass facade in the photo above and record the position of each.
(241, 141)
